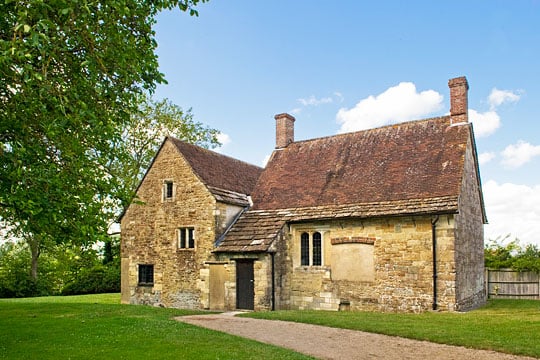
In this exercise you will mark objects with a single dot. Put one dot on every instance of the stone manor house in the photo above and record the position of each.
(386, 219)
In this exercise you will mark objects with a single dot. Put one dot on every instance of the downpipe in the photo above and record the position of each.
(273, 281)
(434, 248)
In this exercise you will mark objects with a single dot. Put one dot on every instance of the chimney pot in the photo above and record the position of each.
(459, 103)
(284, 130)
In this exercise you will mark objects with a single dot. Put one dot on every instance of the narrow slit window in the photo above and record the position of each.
(304, 249)
(169, 190)
(317, 249)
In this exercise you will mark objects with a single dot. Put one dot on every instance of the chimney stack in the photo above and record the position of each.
(284, 130)
(459, 103)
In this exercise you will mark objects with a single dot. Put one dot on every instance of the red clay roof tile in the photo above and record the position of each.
(414, 160)
(219, 171)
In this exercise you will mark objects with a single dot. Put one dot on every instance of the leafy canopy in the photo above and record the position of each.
(71, 72)
(142, 137)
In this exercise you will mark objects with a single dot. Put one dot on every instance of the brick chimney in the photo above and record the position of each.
(284, 130)
(459, 103)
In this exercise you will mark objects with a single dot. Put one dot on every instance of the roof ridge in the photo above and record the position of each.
(378, 128)
(212, 152)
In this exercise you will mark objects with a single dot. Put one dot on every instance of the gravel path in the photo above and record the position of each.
(330, 343)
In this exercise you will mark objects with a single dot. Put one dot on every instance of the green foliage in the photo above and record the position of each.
(71, 73)
(98, 279)
(143, 135)
(511, 255)
(64, 269)
(15, 279)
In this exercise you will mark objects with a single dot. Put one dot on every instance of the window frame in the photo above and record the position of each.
(168, 190)
(305, 249)
(311, 248)
(316, 250)
(145, 272)
(186, 238)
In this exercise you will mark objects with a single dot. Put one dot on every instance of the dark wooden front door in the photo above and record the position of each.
(244, 284)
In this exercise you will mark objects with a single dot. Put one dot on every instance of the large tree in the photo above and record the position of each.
(71, 72)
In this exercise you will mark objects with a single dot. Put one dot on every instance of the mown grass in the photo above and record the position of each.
(511, 326)
(98, 327)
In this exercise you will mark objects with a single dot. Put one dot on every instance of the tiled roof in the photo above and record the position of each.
(256, 229)
(229, 197)
(413, 160)
(412, 168)
(226, 177)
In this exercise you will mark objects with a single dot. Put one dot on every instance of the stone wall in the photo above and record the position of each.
(150, 234)
(262, 276)
(398, 277)
(469, 259)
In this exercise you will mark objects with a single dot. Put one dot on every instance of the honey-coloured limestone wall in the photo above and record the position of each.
(393, 258)
(150, 234)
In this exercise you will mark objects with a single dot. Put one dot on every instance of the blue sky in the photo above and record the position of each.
(330, 63)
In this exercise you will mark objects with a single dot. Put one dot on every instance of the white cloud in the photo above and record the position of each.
(313, 101)
(488, 122)
(224, 139)
(486, 157)
(516, 155)
(498, 97)
(512, 209)
(484, 124)
(397, 104)
(339, 96)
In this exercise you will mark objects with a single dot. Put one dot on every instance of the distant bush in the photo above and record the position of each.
(15, 279)
(63, 269)
(514, 256)
(96, 280)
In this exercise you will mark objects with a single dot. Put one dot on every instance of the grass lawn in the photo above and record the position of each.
(98, 327)
(511, 326)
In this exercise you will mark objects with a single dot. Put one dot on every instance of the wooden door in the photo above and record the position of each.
(245, 294)
(218, 276)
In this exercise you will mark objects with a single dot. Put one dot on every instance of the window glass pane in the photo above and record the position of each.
(191, 238)
(304, 249)
(146, 274)
(317, 250)
(182, 233)
(169, 190)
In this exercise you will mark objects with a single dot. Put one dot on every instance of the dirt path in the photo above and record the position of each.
(331, 343)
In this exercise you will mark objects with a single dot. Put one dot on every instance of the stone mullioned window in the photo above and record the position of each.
(311, 249)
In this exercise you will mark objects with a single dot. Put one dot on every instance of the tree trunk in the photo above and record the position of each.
(34, 249)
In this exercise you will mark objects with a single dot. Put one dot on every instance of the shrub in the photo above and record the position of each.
(512, 255)
(15, 279)
(96, 280)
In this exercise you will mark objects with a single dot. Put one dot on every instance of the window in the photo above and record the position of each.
(317, 250)
(186, 238)
(304, 249)
(146, 274)
(311, 249)
(168, 190)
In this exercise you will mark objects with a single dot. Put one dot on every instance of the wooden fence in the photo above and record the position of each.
(510, 284)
